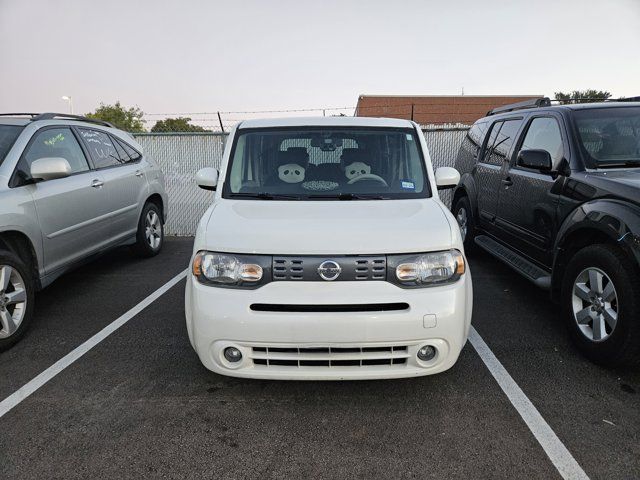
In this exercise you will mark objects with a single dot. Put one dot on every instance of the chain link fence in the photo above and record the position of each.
(181, 155)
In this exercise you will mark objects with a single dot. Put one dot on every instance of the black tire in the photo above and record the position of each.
(11, 260)
(143, 246)
(463, 203)
(622, 345)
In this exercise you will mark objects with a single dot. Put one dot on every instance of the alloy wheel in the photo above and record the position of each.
(153, 229)
(461, 217)
(595, 304)
(13, 300)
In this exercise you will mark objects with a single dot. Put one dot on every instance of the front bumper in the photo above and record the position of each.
(326, 345)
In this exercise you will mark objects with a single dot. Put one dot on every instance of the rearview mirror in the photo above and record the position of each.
(447, 177)
(535, 159)
(50, 168)
(207, 178)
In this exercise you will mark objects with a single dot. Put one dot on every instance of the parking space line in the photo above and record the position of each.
(559, 455)
(23, 392)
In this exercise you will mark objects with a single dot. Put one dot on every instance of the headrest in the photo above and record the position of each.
(350, 155)
(296, 155)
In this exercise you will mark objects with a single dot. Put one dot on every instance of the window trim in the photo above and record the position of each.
(15, 182)
(226, 194)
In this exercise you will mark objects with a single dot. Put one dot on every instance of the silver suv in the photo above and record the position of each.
(70, 187)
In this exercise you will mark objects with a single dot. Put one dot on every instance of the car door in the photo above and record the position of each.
(490, 169)
(124, 180)
(69, 209)
(528, 202)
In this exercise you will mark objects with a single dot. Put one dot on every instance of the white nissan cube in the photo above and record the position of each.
(327, 255)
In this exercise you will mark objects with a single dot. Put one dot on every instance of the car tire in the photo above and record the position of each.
(150, 235)
(603, 280)
(17, 298)
(464, 216)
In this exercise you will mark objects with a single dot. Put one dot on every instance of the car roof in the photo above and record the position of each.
(565, 107)
(585, 106)
(327, 121)
(14, 121)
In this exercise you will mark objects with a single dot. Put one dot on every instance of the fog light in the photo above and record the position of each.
(427, 353)
(232, 354)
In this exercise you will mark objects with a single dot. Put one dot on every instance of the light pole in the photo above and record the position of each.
(70, 100)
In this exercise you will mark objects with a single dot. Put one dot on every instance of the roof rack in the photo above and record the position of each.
(18, 114)
(52, 116)
(534, 103)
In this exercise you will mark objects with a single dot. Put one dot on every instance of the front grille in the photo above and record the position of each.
(329, 356)
(305, 268)
(361, 307)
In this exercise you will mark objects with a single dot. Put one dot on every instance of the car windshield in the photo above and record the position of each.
(8, 135)
(326, 164)
(610, 137)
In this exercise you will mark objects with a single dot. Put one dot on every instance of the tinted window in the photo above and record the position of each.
(325, 163)
(101, 148)
(121, 153)
(544, 134)
(8, 135)
(610, 136)
(503, 141)
(488, 149)
(476, 134)
(53, 142)
(132, 154)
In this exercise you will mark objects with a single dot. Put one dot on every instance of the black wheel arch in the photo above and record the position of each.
(466, 188)
(605, 221)
(20, 244)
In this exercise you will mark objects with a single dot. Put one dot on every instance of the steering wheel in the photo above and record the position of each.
(368, 176)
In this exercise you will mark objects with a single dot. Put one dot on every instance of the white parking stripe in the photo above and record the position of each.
(23, 392)
(546, 437)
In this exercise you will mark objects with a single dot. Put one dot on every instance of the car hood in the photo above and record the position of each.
(328, 227)
(622, 183)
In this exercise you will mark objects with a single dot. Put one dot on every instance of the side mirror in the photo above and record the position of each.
(447, 177)
(535, 159)
(207, 178)
(50, 168)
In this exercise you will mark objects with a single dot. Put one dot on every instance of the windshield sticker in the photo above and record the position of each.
(409, 137)
(320, 185)
(53, 140)
(407, 185)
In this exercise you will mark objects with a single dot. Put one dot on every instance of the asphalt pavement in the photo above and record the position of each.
(140, 404)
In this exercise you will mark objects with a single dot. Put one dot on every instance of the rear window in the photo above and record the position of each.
(609, 137)
(313, 163)
(8, 135)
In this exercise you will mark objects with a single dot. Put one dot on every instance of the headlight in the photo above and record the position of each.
(225, 269)
(427, 269)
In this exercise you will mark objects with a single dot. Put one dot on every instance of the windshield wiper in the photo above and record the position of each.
(348, 196)
(267, 196)
(623, 163)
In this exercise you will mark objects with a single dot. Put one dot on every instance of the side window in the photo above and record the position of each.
(488, 149)
(53, 142)
(503, 142)
(101, 148)
(132, 154)
(544, 134)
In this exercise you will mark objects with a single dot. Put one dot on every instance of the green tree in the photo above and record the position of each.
(582, 96)
(180, 124)
(127, 119)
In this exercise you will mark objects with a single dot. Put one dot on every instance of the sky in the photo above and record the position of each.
(234, 56)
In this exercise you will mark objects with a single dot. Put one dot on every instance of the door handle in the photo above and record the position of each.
(139, 173)
(97, 184)
(507, 182)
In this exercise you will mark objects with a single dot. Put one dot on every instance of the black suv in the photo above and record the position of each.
(554, 192)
